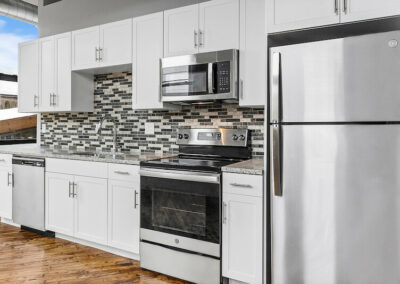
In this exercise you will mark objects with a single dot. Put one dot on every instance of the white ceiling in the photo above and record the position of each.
(33, 2)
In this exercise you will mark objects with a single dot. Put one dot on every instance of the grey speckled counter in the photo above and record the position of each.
(249, 167)
(32, 150)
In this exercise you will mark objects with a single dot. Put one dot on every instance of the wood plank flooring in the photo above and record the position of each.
(26, 257)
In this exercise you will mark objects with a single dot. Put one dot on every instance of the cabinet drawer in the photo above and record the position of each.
(5, 160)
(78, 168)
(243, 184)
(123, 172)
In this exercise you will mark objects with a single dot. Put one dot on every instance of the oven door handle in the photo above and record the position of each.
(180, 175)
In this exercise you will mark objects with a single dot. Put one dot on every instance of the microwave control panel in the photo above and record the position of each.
(223, 77)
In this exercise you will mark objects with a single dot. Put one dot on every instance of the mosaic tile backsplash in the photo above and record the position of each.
(113, 98)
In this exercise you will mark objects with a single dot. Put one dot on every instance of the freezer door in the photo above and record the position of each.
(338, 217)
(351, 79)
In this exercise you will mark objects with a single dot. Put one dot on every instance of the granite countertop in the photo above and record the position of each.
(32, 150)
(249, 167)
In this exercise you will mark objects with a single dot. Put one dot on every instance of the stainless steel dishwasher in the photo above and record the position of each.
(28, 193)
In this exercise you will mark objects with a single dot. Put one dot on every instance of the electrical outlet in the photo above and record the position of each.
(43, 128)
(149, 128)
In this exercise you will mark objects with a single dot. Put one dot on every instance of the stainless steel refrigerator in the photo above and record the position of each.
(335, 161)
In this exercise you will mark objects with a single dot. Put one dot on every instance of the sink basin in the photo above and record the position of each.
(98, 154)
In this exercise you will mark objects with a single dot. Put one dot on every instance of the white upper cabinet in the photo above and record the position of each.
(102, 46)
(208, 26)
(148, 36)
(28, 76)
(357, 10)
(116, 43)
(63, 81)
(299, 14)
(85, 48)
(253, 54)
(285, 15)
(47, 72)
(181, 28)
(219, 25)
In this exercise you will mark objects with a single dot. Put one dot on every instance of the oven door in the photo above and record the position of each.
(180, 203)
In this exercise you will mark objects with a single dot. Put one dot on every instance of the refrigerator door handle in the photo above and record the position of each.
(275, 86)
(276, 185)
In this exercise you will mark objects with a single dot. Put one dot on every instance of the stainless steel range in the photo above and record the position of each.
(181, 204)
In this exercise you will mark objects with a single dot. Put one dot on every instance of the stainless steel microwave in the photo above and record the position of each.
(200, 77)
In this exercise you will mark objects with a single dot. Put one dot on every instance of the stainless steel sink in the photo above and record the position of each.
(98, 154)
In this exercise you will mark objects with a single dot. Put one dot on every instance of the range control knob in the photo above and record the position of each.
(235, 137)
(180, 136)
(186, 136)
(242, 137)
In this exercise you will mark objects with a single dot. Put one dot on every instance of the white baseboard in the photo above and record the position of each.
(112, 250)
(9, 222)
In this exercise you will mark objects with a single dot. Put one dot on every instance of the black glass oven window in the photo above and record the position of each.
(183, 208)
(179, 212)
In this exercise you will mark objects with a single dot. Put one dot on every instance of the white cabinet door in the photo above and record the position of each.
(91, 209)
(181, 31)
(253, 54)
(62, 58)
(59, 203)
(28, 80)
(46, 73)
(85, 44)
(148, 44)
(219, 25)
(6, 192)
(242, 238)
(116, 43)
(356, 10)
(286, 15)
(124, 215)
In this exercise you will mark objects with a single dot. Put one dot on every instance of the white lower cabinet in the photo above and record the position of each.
(102, 208)
(242, 229)
(6, 183)
(123, 215)
(90, 196)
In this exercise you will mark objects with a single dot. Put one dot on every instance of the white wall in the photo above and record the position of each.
(69, 15)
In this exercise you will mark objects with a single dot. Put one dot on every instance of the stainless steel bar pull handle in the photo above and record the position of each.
(35, 101)
(96, 54)
(10, 179)
(241, 185)
(201, 38)
(336, 7)
(275, 87)
(345, 8)
(100, 54)
(136, 194)
(121, 173)
(195, 39)
(224, 218)
(69, 190)
(276, 185)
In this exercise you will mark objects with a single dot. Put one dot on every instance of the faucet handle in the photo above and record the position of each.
(98, 127)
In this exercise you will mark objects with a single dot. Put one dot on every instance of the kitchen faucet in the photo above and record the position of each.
(99, 126)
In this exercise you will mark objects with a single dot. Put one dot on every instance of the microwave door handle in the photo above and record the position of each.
(175, 83)
(210, 78)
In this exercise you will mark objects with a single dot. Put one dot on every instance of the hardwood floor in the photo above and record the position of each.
(26, 257)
